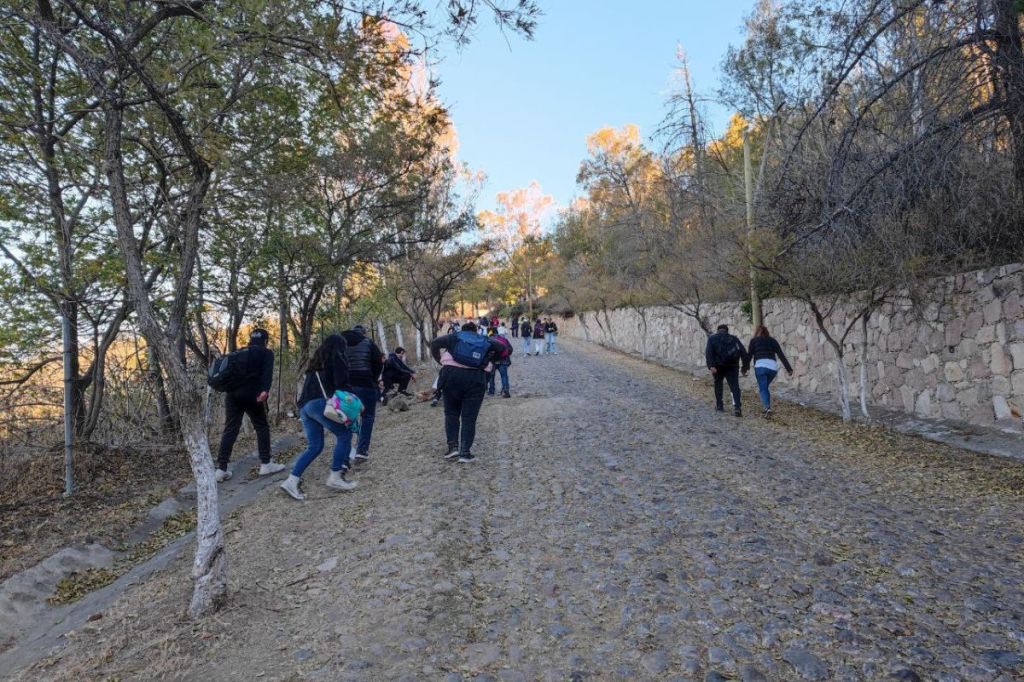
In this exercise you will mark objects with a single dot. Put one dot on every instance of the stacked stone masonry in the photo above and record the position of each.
(958, 354)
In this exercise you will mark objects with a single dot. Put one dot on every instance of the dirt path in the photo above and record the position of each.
(613, 528)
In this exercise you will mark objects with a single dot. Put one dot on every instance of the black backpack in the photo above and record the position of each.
(229, 372)
(731, 352)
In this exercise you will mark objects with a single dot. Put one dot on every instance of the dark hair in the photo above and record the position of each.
(399, 350)
(723, 327)
(469, 327)
(762, 331)
(259, 337)
(330, 351)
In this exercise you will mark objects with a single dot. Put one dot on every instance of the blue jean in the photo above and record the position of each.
(369, 397)
(313, 423)
(549, 337)
(526, 344)
(503, 371)
(765, 377)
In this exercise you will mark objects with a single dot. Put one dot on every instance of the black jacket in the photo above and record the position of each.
(719, 345)
(767, 348)
(448, 342)
(334, 377)
(259, 373)
(365, 360)
(526, 329)
(551, 328)
(396, 367)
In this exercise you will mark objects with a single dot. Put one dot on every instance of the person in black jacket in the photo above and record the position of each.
(327, 373)
(462, 389)
(396, 372)
(250, 398)
(724, 353)
(526, 331)
(765, 352)
(365, 365)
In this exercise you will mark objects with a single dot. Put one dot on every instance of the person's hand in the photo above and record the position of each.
(744, 372)
(413, 377)
(262, 397)
(713, 370)
(789, 372)
(380, 384)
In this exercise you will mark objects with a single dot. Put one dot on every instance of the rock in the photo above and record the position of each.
(482, 655)
(655, 662)
(302, 655)
(807, 665)
(751, 674)
(329, 565)
(1004, 659)
(398, 404)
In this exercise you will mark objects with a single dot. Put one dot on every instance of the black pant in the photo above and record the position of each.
(732, 375)
(233, 411)
(463, 393)
(401, 378)
(515, 331)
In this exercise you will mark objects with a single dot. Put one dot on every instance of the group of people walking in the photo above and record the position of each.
(727, 358)
(470, 357)
(542, 333)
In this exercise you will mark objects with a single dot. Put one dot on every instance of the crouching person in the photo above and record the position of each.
(327, 373)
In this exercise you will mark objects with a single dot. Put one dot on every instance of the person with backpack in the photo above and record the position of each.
(550, 333)
(246, 393)
(526, 331)
(538, 336)
(724, 354)
(501, 364)
(765, 353)
(365, 365)
(328, 372)
(464, 358)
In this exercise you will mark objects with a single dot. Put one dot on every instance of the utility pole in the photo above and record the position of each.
(748, 181)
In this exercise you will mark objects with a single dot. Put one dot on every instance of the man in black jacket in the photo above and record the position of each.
(365, 364)
(250, 398)
(462, 388)
(396, 372)
(724, 354)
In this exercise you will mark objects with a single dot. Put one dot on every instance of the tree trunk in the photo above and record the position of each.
(643, 332)
(843, 379)
(1008, 61)
(586, 329)
(210, 567)
(864, 367)
(607, 321)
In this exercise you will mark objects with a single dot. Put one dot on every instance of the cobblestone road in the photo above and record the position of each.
(614, 527)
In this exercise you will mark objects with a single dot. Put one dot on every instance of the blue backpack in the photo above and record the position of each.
(470, 349)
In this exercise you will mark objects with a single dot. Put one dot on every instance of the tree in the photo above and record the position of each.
(514, 231)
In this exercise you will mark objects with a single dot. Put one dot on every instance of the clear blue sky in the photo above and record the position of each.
(523, 109)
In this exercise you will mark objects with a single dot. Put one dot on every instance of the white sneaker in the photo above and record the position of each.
(336, 480)
(291, 486)
(452, 453)
(221, 475)
(271, 468)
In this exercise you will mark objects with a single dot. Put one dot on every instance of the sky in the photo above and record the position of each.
(523, 109)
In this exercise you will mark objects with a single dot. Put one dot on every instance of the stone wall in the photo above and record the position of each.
(958, 356)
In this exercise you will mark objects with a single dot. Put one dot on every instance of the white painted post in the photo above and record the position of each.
(398, 334)
(380, 335)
